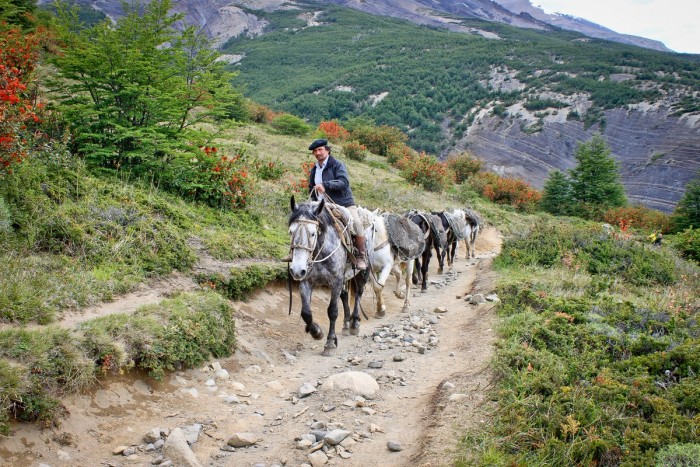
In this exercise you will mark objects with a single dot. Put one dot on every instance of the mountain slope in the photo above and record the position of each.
(519, 98)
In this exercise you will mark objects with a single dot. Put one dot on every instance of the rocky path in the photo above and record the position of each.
(398, 394)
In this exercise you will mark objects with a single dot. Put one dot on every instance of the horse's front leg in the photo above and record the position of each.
(440, 257)
(332, 339)
(346, 309)
(305, 289)
(396, 272)
(424, 269)
(358, 284)
(417, 277)
(409, 272)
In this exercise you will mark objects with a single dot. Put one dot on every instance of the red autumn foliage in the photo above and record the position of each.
(230, 177)
(301, 185)
(18, 56)
(332, 131)
(638, 217)
(508, 191)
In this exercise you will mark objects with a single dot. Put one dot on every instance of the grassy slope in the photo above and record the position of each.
(589, 325)
(77, 239)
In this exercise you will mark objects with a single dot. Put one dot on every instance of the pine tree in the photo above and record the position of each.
(595, 181)
(556, 196)
(687, 213)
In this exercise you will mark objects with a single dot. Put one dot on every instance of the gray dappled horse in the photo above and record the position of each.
(319, 257)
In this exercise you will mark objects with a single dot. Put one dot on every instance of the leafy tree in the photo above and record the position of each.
(687, 213)
(18, 12)
(134, 90)
(556, 195)
(595, 181)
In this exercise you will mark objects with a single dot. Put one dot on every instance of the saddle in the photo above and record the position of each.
(438, 229)
(405, 236)
(457, 224)
(342, 222)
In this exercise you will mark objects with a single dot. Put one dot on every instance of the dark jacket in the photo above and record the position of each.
(335, 181)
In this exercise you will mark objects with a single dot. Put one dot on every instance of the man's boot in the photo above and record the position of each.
(361, 260)
(287, 259)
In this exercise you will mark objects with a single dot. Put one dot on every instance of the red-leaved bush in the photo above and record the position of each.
(332, 131)
(300, 183)
(638, 217)
(231, 178)
(18, 55)
(508, 191)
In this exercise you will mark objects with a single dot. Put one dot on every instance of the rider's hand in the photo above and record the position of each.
(319, 188)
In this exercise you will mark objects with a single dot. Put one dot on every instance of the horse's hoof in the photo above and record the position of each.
(330, 347)
(355, 331)
(347, 332)
(406, 309)
(439, 270)
(424, 290)
(315, 331)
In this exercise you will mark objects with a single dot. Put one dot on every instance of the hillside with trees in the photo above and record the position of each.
(129, 156)
(518, 99)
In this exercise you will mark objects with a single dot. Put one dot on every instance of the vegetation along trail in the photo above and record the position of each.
(272, 394)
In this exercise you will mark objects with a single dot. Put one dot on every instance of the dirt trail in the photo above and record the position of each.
(423, 401)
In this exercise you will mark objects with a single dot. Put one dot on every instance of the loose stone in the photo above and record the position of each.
(393, 446)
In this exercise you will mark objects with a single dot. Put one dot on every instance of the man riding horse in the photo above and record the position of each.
(330, 177)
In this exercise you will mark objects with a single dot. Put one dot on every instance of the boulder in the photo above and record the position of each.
(358, 382)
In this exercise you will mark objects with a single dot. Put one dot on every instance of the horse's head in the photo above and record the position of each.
(304, 230)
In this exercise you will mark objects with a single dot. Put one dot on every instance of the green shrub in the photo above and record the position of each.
(397, 152)
(688, 243)
(176, 333)
(355, 151)
(244, 280)
(427, 172)
(633, 262)
(378, 139)
(5, 218)
(464, 165)
(291, 125)
(268, 170)
(678, 455)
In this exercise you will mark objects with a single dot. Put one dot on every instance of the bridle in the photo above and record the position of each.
(296, 244)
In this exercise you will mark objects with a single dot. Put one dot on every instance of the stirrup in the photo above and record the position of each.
(361, 264)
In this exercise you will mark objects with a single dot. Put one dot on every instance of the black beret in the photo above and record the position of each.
(317, 144)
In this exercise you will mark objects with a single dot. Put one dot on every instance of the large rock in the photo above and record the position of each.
(358, 382)
(177, 450)
(241, 440)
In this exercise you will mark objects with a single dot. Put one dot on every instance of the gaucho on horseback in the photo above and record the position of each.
(329, 179)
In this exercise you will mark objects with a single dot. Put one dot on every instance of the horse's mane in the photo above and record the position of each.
(307, 211)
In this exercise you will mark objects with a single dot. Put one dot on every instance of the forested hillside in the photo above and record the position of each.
(519, 99)
(339, 68)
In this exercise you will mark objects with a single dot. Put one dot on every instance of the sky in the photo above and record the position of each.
(676, 23)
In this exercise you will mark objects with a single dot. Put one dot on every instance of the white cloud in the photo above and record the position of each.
(676, 23)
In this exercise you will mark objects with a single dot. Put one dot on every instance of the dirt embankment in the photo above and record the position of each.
(432, 371)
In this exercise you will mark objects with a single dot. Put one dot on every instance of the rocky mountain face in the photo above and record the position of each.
(224, 19)
(658, 153)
